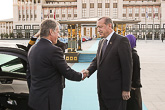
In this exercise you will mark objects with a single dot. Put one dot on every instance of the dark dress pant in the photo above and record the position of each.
(114, 104)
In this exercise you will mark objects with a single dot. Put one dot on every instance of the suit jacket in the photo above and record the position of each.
(32, 42)
(47, 66)
(61, 45)
(114, 68)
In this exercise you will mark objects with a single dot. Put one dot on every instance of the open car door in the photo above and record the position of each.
(13, 85)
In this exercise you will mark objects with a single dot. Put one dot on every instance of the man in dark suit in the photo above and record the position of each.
(32, 41)
(47, 66)
(113, 63)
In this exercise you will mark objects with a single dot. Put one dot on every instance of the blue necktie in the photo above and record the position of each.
(104, 47)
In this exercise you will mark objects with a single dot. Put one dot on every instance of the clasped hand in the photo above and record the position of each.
(85, 73)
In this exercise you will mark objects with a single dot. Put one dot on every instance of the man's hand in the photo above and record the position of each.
(85, 74)
(126, 95)
(37, 34)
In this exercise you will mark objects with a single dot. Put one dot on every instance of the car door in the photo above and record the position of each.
(13, 85)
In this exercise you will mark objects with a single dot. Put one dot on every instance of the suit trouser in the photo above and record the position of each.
(51, 104)
(114, 104)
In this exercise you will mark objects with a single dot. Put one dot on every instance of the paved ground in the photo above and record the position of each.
(152, 57)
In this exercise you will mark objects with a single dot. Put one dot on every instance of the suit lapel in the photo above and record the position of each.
(109, 46)
(101, 46)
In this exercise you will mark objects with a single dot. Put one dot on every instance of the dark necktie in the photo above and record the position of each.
(104, 47)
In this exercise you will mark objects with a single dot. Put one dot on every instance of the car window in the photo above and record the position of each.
(12, 64)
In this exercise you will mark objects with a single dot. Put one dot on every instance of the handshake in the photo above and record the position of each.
(85, 73)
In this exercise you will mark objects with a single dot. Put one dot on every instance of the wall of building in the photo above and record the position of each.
(28, 14)
(6, 27)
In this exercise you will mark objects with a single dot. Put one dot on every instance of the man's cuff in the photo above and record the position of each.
(82, 74)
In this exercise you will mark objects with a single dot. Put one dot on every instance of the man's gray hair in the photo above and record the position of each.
(46, 25)
(107, 20)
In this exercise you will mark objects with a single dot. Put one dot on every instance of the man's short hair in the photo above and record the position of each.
(107, 20)
(46, 25)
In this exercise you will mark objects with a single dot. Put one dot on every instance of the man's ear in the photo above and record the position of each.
(110, 25)
(51, 31)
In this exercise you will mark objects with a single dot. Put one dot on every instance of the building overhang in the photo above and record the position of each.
(63, 0)
(57, 6)
(7, 20)
(141, 3)
(94, 20)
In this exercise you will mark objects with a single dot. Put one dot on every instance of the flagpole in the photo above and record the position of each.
(54, 13)
(48, 13)
(41, 15)
(146, 25)
(153, 24)
(160, 24)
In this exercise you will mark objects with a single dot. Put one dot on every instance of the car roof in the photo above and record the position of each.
(13, 50)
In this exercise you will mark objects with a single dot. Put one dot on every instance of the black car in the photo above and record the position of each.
(14, 91)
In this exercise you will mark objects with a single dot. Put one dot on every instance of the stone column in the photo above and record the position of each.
(87, 8)
(95, 7)
(79, 9)
(103, 7)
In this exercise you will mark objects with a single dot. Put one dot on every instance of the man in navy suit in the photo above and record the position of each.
(47, 66)
(113, 63)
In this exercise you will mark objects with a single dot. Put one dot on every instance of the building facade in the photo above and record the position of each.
(28, 14)
(6, 27)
